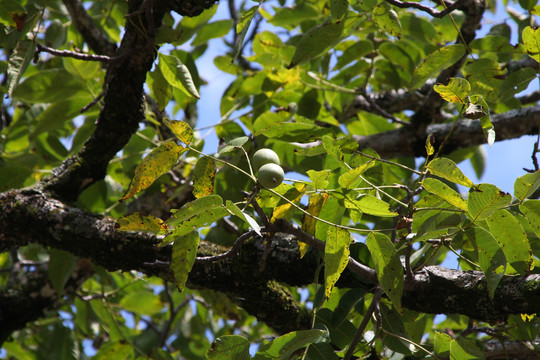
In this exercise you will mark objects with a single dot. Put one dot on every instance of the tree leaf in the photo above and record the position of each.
(115, 350)
(201, 219)
(309, 224)
(138, 222)
(194, 208)
(177, 74)
(463, 349)
(61, 266)
(351, 178)
(388, 266)
(18, 62)
(285, 210)
(531, 40)
(243, 216)
(455, 92)
(158, 162)
(526, 185)
(531, 210)
(315, 41)
(447, 169)
(445, 192)
(203, 177)
(513, 240)
(371, 205)
(484, 200)
(284, 346)
(142, 303)
(386, 18)
(180, 129)
(184, 252)
(336, 256)
(242, 27)
(435, 62)
(319, 178)
(228, 347)
(491, 257)
(441, 344)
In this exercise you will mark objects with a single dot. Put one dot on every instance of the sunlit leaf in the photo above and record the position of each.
(447, 169)
(336, 256)
(371, 205)
(309, 224)
(142, 302)
(158, 162)
(464, 349)
(455, 92)
(445, 192)
(177, 74)
(180, 129)
(114, 350)
(531, 210)
(387, 18)
(531, 40)
(284, 210)
(184, 252)
(485, 199)
(526, 185)
(351, 178)
(18, 62)
(388, 266)
(243, 216)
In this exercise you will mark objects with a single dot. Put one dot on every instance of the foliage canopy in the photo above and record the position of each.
(123, 237)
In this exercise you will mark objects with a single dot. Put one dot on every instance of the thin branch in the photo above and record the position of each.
(232, 252)
(73, 54)
(430, 11)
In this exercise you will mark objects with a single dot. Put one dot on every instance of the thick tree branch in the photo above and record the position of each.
(88, 29)
(30, 216)
(404, 142)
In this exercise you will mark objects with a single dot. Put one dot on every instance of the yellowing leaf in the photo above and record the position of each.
(180, 129)
(158, 162)
(203, 177)
(336, 256)
(531, 40)
(455, 92)
(447, 169)
(139, 222)
(309, 224)
(282, 211)
(388, 266)
(184, 252)
(527, 317)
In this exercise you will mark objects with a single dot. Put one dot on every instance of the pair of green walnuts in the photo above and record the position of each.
(266, 163)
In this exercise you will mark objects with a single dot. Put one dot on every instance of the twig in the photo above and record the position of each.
(232, 251)
(430, 11)
(73, 54)
(367, 316)
(383, 112)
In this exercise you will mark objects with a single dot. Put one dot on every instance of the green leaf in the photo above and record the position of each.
(161, 89)
(441, 344)
(82, 69)
(319, 178)
(184, 252)
(531, 40)
(142, 303)
(194, 208)
(116, 350)
(526, 185)
(61, 266)
(387, 265)
(284, 346)
(491, 257)
(447, 169)
(242, 27)
(369, 204)
(455, 92)
(445, 192)
(463, 349)
(158, 162)
(531, 210)
(177, 74)
(50, 86)
(338, 8)
(315, 41)
(203, 177)
(351, 178)
(228, 347)
(243, 216)
(180, 129)
(212, 30)
(513, 240)
(18, 62)
(494, 43)
(336, 256)
(435, 62)
(138, 222)
(484, 200)
(386, 18)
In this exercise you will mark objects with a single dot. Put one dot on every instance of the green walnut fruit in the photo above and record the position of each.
(264, 156)
(270, 175)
